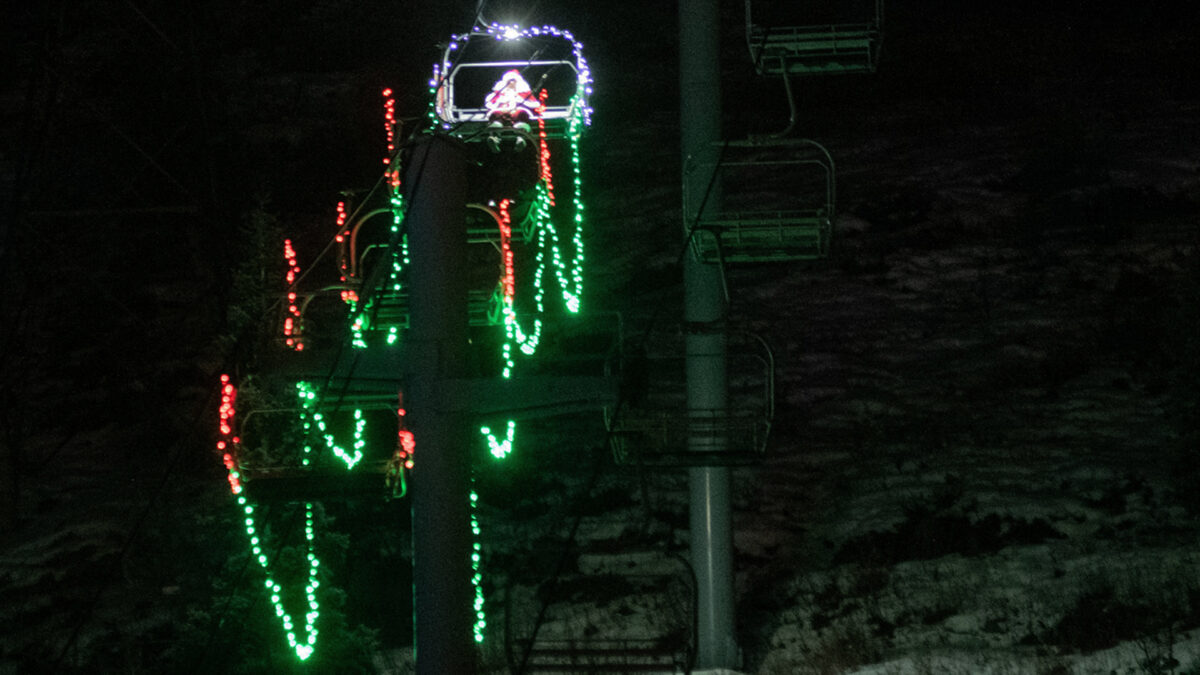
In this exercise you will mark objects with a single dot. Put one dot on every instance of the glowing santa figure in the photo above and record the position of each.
(511, 102)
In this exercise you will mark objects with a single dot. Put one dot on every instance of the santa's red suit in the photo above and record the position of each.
(511, 100)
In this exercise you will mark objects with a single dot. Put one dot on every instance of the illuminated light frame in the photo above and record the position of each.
(509, 33)
(227, 445)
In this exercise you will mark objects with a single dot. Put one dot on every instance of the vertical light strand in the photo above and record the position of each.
(293, 322)
(344, 263)
(477, 567)
(402, 459)
(389, 124)
(570, 277)
(513, 333)
(227, 442)
(574, 299)
(544, 147)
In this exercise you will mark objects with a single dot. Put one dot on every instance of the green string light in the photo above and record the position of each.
(500, 448)
(476, 574)
(230, 442)
(361, 313)
(308, 417)
(303, 649)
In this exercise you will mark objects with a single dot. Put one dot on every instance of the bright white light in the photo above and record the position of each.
(511, 33)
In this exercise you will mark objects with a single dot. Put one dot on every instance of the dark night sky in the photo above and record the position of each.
(112, 103)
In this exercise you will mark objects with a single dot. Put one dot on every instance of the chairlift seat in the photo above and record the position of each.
(814, 48)
(665, 580)
(669, 439)
(483, 310)
(548, 59)
(656, 428)
(280, 475)
(777, 204)
(764, 236)
(270, 484)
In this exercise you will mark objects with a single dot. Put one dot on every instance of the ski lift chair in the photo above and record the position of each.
(655, 427)
(388, 308)
(272, 465)
(777, 204)
(814, 37)
(656, 632)
(549, 59)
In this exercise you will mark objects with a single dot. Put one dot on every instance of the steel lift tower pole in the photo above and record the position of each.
(437, 349)
(711, 537)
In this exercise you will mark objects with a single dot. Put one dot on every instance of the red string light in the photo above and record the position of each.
(508, 281)
(402, 459)
(293, 324)
(228, 443)
(407, 442)
(544, 154)
(389, 126)
(343, 234)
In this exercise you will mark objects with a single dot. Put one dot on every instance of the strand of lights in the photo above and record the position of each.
(512, 328)
(308, 417)
(437, 93)
(399, 257)
(500, 448)
(402, 459)
(228, 444)
(570, 283)
(389, 125)
(573, 298)
(543, 147)
(361, 319)
(293, 323)
(303, 649)
(342, 236)
(476, 574)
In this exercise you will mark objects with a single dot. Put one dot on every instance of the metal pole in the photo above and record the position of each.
(704, 314)
(436, 347)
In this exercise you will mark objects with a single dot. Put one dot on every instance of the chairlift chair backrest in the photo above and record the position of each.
(814, 37)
